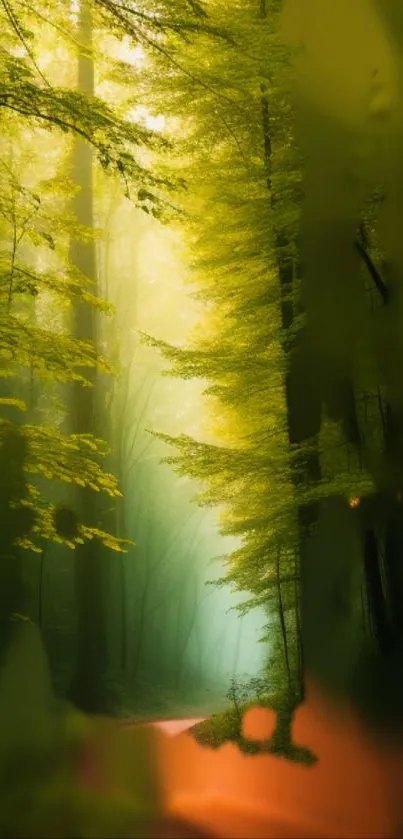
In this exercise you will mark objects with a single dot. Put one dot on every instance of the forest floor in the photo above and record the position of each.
(212, 720)
(172, 709)
(171, 727)
(225, 726)
(151, 702)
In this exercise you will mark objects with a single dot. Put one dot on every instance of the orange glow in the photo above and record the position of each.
(226, 793)
(354, 501)
(354, 789)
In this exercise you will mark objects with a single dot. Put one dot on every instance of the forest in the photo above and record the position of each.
(201, 410)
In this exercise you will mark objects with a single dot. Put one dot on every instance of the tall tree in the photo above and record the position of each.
(28, 98)
(351, 184)
(245, 180)
(88, 686)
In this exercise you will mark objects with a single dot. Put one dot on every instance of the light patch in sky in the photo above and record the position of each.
(143, 115)
(19, 51)
(74, 10)
(133, 55)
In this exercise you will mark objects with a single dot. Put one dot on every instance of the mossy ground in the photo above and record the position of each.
(226, 726)
(223, 723)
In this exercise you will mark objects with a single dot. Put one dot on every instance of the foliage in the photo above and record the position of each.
(39, 284)
(245, 172)
(227, 725)
(244, 214)
(249, 690)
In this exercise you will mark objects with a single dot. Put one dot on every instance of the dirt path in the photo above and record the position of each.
(174, 727)
(171, 727)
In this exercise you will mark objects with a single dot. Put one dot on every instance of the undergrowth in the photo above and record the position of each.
(226, 726)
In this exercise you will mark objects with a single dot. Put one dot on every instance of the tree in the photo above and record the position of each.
(87, 689)
(351, 186)
(49, 352)
(30, 101)
(292, 395)
(245, 178)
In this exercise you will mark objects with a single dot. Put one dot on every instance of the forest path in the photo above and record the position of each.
(171, 727)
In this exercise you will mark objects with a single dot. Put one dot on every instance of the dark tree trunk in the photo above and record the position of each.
(15, 521)
(394, 526)
(375, 594)
(303, 403)
(283, 623)
(87, 687)
(386, 605)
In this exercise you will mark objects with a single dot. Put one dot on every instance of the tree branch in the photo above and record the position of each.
(373, 271)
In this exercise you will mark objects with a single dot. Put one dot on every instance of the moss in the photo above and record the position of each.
(226, 727)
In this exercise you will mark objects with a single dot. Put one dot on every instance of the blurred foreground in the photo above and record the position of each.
(65, 774)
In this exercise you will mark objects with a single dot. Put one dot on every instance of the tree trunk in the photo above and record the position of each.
(282, 622)
(386, 606)
(375, 594)
(87, 687)
(16, 521)
(394, 531)
(304, 406)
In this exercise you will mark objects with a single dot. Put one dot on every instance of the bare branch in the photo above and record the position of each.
(373, 271)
